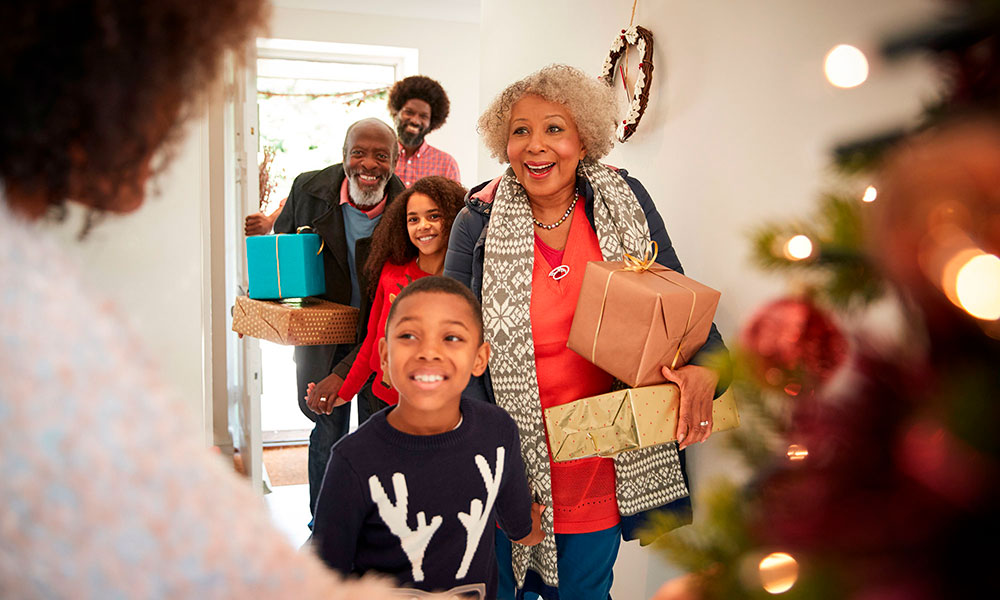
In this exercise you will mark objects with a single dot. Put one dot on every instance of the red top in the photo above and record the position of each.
(393, 279)
(583, 491)
(550, 254)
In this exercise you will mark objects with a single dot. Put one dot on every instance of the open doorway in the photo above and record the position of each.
(308, 93)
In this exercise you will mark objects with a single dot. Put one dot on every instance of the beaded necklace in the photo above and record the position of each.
(561, 219)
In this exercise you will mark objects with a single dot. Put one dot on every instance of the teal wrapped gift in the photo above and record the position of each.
(285, 266)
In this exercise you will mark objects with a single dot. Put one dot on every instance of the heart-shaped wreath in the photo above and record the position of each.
(642, 39)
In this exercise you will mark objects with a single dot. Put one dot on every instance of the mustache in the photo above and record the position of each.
(382, 176)
(404, 124)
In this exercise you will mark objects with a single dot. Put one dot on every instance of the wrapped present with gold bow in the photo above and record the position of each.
(285, 265)
(624, 420)
(636, 316)
(305, 322)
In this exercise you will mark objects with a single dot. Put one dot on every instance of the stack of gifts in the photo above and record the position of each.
(284, 270)
(632, 318)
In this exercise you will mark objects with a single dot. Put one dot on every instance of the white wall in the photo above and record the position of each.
(448, 52)
(150, 264)
(737, 132)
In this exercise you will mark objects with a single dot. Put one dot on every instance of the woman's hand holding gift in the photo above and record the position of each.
(697, 387)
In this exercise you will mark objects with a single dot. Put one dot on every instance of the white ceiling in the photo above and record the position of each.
(464, 11)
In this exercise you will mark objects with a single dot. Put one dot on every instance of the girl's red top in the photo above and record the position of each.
(391, 281)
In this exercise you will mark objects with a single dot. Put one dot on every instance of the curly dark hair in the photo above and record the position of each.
(390, 240)
(422, 88)
(93, 88)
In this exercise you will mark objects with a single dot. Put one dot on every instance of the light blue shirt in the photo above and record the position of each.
(357, 226)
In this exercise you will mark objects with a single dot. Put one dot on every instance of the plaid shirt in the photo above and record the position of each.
(428, 160)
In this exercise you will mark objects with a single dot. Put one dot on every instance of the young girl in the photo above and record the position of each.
(409, 243)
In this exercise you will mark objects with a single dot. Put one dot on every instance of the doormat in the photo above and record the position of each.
(287, 465)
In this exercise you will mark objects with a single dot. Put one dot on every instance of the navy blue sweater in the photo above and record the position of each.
(423, 509)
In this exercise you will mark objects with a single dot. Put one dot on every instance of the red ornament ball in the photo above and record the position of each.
(794, 345)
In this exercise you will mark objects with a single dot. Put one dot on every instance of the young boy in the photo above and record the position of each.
(417, 491)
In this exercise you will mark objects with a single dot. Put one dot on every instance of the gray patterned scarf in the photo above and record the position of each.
(645, 478)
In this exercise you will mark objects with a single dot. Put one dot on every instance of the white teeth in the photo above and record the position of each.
(368, 177)
(540, 168)
(425, 238)
(428, 378)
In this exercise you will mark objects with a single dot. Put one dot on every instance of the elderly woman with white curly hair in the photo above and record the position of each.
(521, 244)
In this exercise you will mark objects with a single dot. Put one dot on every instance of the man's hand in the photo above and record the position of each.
(697, 385)
(258, 224)
(321, 398)
(536, 534)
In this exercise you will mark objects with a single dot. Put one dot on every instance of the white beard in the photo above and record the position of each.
(363, 199)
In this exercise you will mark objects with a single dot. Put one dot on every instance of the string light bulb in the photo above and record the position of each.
(798, 247)
(778, 572)
(977, 286)
(797, 452)
(870, 194)
(845, 66)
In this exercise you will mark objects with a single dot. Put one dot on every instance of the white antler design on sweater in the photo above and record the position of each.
(413, 541)
(478, 518)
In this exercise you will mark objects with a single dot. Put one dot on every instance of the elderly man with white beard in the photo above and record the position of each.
(342, 203)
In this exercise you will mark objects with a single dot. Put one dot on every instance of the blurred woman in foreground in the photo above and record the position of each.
(106, 491)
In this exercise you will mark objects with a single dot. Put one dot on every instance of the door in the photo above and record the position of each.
(243, 355)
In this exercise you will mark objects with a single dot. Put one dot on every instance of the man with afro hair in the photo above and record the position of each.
(418, 106)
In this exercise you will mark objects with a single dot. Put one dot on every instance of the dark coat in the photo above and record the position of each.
(315, 201)
(464, 262)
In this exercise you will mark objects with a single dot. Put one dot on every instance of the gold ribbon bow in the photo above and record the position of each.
(638, 265)
(322, 242)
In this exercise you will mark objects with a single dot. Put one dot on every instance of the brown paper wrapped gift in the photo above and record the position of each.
(632, 322)
(624, 420)
(306, 323)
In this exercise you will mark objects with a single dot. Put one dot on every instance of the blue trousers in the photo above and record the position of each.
(313, 363)
(585, 563)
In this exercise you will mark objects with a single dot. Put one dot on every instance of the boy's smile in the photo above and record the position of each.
(431, 348)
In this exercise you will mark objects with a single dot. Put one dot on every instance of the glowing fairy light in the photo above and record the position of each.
(798, 247)
(797, 452)
(949, 272)
(845, 66)
(977, 286)
(778, 572)
(870, 194)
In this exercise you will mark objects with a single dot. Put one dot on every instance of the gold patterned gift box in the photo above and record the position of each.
(305, 322)
(624, 420)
